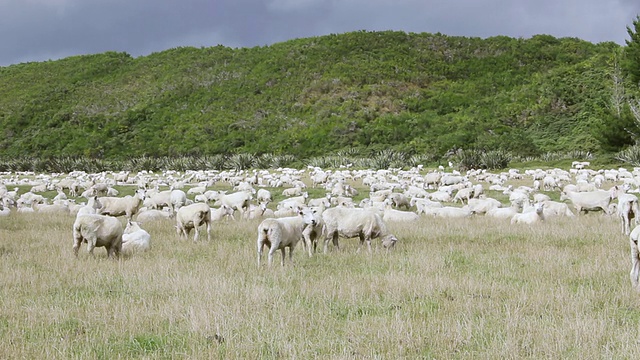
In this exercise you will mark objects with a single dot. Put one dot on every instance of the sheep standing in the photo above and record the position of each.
(97, 231)
(635, 257)
(192, 217)
(350, 223)
(278, 234)
(135, 238)
(127, 205)
(627, 208)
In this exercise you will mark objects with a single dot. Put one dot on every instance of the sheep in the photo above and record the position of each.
(554, 208)
(153, 215)
(627, 208)
(349, 223)
(503, 213)
(463, 194)
(191, 217)
(92, 207)
(591, 200)
(295, 191)
(530, 217)
(393, 215)
(127, 205)
(481, 206)
(98, 231)
(319, 202)
(399, 200)
(441, 196)
(264, 195)
(422, 204)
(220, 213)
(635, 257)
(278, 234)
(448, 212)
(135, 239)
(177, 199)
(237, 201)
(313, 231)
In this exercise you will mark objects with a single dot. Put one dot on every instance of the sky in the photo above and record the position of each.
(41, 30)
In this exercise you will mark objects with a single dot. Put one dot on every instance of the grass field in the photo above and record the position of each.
(476, 288)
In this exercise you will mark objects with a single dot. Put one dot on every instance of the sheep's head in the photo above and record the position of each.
(389, 241)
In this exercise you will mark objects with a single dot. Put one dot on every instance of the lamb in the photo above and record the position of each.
(220, 213)
(591, 200)
(278, 234)
(191, 217)
(135, 239)
(98, 231)
(530, 217)
(349, 223)
(127, 205)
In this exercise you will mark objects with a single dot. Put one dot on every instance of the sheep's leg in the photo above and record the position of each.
(91, 244)
(272, 250)
(195, 237)
(635, 263)
(307, 242)
(260, 246)
(208, 231)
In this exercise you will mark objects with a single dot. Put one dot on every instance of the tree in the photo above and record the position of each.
(631, 64)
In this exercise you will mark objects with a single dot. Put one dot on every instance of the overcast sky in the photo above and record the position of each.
(40, 30)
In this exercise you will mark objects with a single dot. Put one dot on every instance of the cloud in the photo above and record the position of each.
(37, 30)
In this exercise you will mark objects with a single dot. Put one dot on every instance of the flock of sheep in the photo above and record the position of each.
(394, 196)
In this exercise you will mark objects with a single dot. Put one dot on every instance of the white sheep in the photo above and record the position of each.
(399, 200)
(97, 231)
(635, 257)
(192, 217)
(238, 201)
(221, 212)
(128, 205)
(481, 206)
(422, 204)
(627, 208)
(263, 195)
(393, 215)
(153, 215)
(350, 222)
(278, 234)
(135, 239)
(530, 217)
(92, 207)
(587, 201)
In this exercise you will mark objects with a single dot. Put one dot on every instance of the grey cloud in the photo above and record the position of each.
(37, 30)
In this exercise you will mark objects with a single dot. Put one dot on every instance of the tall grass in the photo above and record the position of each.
(451, 289)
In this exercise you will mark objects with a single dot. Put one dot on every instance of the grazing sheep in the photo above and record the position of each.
(399, 200)
(191, 217)
(263, 195)
(135, 239)
(97, 231)
(530, 217)
(587, 201)
(278, 234)
(350, 222)
(127, 205)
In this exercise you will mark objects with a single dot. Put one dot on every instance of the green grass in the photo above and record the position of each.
(463, 289)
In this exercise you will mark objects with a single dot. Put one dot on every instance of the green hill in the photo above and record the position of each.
(418, 93)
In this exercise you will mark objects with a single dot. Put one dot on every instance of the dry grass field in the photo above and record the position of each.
(476, 288)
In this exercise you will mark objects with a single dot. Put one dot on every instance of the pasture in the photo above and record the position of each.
(469, 288)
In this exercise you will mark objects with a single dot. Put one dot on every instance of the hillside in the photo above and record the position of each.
(419, 93)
